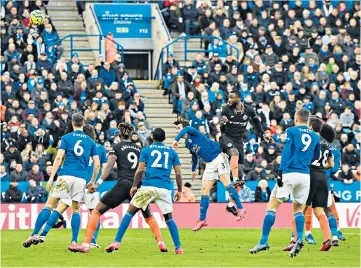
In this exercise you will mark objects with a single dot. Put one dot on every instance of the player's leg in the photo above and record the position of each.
(269, 220)
(75, 222)
(207, 184)
(308, 224)
(225, 179)
(93, 243)
(335, 213)
(300, 188)
(331, 220)
(53, 219)
(154, 227)
(91, 200)
(41, 220)
(164, 202)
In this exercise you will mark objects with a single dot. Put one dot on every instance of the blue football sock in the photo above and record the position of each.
(75, 226)
(268, 222)
(233, 193)
(204, 207)
(300, 224)
(333, 224)
(54, 217)
(41, 219)
(123, 226)
(173, 229)
(95, 235)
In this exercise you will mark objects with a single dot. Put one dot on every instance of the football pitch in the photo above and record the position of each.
(206, 248)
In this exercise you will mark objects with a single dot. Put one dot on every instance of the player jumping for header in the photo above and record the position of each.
(157, 186)
(77, 148)
(302, 145)
(217, 167)
(126, 155)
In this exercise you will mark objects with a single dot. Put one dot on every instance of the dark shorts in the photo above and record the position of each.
(118, 194)
(318, 190)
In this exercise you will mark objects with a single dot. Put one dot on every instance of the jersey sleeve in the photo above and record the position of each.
(176, 161)
(143, 156)
(63, 144)
(225, 111)
(103, 157)
(251, 112)
(286, 152)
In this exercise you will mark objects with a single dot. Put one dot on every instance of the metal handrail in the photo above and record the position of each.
(185, 38)
(95, 19)
(120, 48)
(163, 23)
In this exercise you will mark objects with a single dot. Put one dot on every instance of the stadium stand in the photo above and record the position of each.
(280, 55)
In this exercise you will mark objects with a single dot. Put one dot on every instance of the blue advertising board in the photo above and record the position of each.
(346, 192)
(125, 20)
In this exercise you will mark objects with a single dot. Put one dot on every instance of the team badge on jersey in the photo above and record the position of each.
(245, 117)
(229, 144)
(189, 140)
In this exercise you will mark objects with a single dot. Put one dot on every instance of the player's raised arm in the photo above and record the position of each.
(185, 131)
(57, 162)
(194, 165)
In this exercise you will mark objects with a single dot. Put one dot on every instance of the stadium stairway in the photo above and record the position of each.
(178, 48)
(66, 20)
(159, 114)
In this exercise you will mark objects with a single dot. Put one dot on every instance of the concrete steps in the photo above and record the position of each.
(159, 114)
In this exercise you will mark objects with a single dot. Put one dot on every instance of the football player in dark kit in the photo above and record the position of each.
(126, 154)
(235, 116)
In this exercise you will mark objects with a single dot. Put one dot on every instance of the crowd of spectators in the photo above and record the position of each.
(292, 54)
(41, 90)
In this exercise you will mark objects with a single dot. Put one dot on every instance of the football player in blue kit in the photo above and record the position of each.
(77, 148)
(302, 146)
(90, 199)
(217, 167)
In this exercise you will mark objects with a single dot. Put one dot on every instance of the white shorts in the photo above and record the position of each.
(147, 194)
(219, 166)
(68, 187)
(295, 184)
(329, 199)
(90, 200)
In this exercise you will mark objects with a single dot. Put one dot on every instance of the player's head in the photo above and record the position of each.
(315, 123)
(158, 135)
(125, 131)
(77, 121)
(301, 117)
(328, 133)
(180, 123)
(234, 98)
(89, 130)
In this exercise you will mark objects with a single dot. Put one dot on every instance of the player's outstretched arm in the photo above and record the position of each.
(194, 165)
(137, 177)
(57, 162)
(185, 131)
(179, 180)
(105, 172)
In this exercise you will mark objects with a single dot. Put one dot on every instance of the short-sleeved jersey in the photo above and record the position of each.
(127, 154)
(102, 153)
(199, 144)
(302, 146)
(159, 159)
(235, 128)
(320, 163)
(79, 148)
(226, 145)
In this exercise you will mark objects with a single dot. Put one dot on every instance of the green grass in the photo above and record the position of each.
(209, 247)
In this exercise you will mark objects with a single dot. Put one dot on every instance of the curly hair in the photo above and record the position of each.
(181, 120)
(89, 130)
(125, 130)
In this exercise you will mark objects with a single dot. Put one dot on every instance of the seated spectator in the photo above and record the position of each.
(35, 174)
(189, 18)
(34, 160)
(249, 164)
(36, 193)
(12, 154)
(269, 175)
(198, 120)
(112, 131)
(256, 174)
(270, 153)
(263, 192)
(180, 89)
(187, 194)
(346, 174)
(18, 174)
(136, 140)
(4, 176)
(107, 74)
(13, 194)
(143, 134)
(350, 156)
(50, 37)
(245, 194)
(347, 117)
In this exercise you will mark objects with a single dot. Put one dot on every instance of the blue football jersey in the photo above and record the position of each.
(337, 160)
(79, 148)
(302, 146)
(102, 153)
(159, 159)
(199, 144)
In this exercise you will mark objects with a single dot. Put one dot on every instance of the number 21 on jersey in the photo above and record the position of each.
(159, 157)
